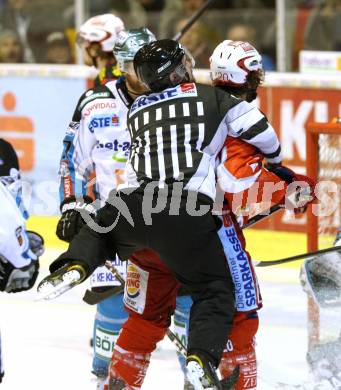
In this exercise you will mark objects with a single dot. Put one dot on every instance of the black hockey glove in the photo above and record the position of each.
(71, 220)
(13, 280)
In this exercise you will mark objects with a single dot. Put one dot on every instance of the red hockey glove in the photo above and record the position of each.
(301, 188)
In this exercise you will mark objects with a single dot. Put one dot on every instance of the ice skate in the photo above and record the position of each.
(60, 281)
(116, 384)
(188, 385)
(100, 382)
(201, 373)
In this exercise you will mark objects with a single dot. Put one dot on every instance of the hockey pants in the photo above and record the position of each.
(189, 247)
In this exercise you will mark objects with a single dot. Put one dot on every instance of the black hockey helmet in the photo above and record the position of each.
(161, 64)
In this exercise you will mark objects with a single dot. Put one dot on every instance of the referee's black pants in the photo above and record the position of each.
(188, 245)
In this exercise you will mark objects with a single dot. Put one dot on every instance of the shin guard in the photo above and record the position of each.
(239, 358)
(247, 363)
(136, 342)
(130, 367)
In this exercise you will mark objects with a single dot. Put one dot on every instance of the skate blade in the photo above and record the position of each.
(53, 286)
(193, 373)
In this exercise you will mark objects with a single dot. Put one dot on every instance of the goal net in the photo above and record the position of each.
(324, 217)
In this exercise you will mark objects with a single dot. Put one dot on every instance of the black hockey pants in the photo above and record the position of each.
(189, 245)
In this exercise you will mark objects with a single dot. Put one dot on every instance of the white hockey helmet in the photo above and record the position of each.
(102, 29)
(232, 61)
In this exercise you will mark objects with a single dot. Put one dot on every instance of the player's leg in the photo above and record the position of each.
(239, 358)
(132, 352)
(110, 316)
(149, 297)
(181, 323)
(195, 255)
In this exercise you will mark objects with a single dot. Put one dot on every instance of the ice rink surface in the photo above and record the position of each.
(46, 344)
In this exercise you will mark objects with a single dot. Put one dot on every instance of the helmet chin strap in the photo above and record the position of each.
(132, 90)
(187, 78)
(251, 95)
(93, 58)
(94, 61)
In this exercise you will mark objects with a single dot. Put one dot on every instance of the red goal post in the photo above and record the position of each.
(323, 162)
(323, 142)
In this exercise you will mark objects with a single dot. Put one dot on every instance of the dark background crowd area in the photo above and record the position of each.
(43, 31)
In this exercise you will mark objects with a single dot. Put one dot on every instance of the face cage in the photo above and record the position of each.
(180, 73)
(189, 57)
(126, 65)
(81, 41)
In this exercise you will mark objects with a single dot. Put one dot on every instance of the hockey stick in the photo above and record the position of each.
(192, 20)
(177, 342)
(264, 214)
(94, 297)
(293, 197)
(302, 256)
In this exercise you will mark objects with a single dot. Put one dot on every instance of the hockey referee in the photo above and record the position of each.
(177, 131)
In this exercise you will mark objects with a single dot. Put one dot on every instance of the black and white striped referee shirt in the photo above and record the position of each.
(177, 134)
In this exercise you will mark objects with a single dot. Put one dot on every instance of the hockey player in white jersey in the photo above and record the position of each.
(19, 249)
(95, 148)
(96, 145)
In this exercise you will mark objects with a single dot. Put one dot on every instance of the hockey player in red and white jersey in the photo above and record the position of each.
(249, 187)
(251, 172)
(97, 37)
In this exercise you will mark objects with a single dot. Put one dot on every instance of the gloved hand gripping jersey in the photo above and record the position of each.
(71, 220)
